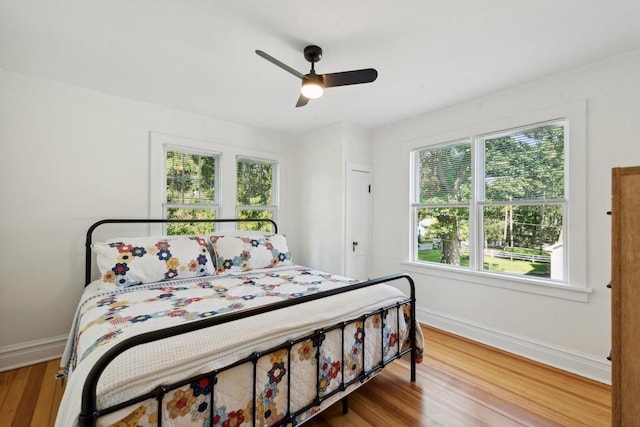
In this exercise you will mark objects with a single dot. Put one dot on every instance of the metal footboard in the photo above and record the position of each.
(90, 412)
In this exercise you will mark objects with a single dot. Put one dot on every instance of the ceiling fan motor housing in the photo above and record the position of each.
(313, 53)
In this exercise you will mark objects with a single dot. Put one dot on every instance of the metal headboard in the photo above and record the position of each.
(87, 276)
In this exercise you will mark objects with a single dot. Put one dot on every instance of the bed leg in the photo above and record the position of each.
(345, 405)
(413, 363)
(414, 326)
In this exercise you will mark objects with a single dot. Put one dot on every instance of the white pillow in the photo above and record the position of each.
(243, 253)
(134, 260)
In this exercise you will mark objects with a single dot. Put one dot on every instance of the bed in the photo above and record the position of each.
(224, 330)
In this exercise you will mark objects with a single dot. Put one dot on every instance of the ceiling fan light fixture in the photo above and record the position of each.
(312, 86)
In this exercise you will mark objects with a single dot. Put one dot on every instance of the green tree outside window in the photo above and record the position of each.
(256, 192)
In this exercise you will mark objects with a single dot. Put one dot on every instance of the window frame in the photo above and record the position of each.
(574, 286)
(478, 200)
(217, 187)
(481, 201)
(273, 208)
(415, 205)
(227, 182)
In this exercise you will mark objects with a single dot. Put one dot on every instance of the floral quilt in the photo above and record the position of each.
(107, 316)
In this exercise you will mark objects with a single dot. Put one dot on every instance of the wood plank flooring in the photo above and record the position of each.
(463, 383)
(30, 396)
(460, 383)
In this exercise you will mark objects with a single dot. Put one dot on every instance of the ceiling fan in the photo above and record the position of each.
(314, 84)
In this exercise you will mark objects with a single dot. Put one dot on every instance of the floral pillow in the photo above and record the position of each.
(132, 261)
(237, 233)
(243, 253)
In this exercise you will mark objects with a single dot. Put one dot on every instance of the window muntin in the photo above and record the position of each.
(256, 192)
(516, 214)
(192, 189)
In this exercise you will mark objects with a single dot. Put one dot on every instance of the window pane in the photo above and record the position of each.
(190, 178)
(255, 183)
(444, 174)
(443, 235)
(524, 240)
(255, 214)
(190, 228)
(525, 165)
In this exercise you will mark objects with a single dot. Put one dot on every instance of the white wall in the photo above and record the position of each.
(569, 334)
(319, 175)
(69, 157)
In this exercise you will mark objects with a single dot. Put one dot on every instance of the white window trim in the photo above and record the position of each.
(227, 155)
(516, 283)
(576, 287)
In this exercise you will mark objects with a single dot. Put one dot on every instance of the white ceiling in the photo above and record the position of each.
(198, 55)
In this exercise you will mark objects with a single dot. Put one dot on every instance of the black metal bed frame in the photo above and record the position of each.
(89, 408)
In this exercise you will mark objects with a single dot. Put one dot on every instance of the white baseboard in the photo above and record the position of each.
(31, 352)
(587, 365)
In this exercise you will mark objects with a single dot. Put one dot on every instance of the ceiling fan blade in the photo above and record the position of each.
(302, 101)
(280, 64)
(344, 78)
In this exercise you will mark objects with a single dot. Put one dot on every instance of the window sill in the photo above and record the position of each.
(532, 286)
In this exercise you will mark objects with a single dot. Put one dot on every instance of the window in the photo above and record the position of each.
(442, 204)
(256, 195)
(192, 189)
(494, 203)
(193, 178)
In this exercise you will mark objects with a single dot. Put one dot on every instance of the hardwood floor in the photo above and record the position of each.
(463, 383)
(460, 383)
(30, 396)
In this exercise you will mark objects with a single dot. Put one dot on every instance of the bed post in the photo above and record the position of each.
(414, 325)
